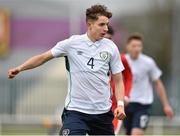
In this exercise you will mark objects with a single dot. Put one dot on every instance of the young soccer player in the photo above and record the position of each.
(127, 77)
(145, 74)
(89, 57)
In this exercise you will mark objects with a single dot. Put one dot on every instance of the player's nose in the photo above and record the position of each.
(106, 28)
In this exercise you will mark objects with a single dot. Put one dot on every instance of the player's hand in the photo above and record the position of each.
(168, 111)
(119, 113)
(126, 101)
(13, 72)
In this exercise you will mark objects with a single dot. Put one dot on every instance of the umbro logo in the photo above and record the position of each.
(79, 52)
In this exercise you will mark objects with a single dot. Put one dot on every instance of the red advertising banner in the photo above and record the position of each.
(4, 32)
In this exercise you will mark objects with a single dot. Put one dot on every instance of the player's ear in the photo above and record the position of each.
(89, 22)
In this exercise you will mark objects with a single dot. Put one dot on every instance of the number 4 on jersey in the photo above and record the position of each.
(91, 62)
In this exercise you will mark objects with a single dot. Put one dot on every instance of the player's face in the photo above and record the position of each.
(134, 48)
(98, 28)
(108, 36)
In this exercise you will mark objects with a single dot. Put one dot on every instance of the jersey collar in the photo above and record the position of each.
(90, 43)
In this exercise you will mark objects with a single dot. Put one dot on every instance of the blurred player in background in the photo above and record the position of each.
(127, 77)
(89, 57)
(145, 74)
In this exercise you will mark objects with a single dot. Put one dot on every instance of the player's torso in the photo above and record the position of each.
(142, 85)
(89, 80)
(89, 58)
(140, 69)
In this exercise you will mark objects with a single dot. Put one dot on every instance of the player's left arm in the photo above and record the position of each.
(119, 93)
(117, 67)
(160, 89)
(119, 86)
(155, 74)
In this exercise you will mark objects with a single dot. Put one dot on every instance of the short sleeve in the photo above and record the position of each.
(155, 72)
(61, 48)
(115, 62)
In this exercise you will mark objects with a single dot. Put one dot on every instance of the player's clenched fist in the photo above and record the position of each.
(168, 111)
(13, 72)
(119, 113)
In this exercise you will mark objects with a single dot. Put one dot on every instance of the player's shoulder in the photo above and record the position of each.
(147, 59)
(109, 43)
(71, 38)
(76, 37)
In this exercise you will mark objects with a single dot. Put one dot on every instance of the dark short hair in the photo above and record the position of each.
(110, 30)
(94, 11)
(135, 36)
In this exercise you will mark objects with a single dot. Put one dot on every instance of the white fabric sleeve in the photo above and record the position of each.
(115, 62)
(155, 72)
(61, 48)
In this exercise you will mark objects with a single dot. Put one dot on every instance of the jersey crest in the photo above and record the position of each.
(104, 55)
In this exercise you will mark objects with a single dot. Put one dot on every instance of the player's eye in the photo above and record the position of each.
(102, 24)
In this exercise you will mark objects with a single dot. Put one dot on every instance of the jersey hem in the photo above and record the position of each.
(144, 103)
(89, 112)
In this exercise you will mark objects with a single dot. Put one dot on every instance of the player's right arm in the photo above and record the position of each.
(31, 63)
(61, 49)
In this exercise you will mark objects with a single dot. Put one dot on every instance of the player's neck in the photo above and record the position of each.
(134, 57)
(90, 36)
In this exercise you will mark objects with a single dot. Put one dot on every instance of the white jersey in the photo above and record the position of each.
(144, 71)
(88, 66)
